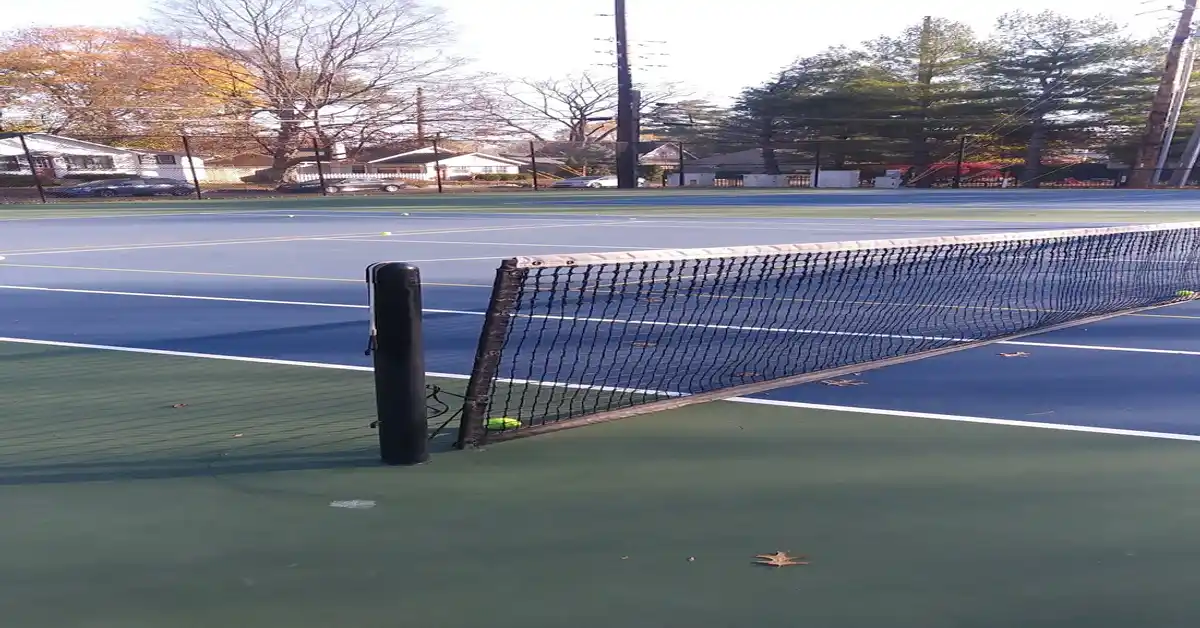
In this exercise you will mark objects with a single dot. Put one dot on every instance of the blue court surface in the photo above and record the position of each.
(287, 284)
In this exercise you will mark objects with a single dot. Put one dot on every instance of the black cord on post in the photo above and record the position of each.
(399, 363)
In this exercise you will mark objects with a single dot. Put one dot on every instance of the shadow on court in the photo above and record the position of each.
(653, 521)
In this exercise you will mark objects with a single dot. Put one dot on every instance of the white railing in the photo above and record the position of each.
(312, 176)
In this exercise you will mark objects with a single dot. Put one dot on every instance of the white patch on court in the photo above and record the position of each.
(353, 504)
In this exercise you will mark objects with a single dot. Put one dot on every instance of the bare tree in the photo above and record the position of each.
(337, 71)
(577, 109)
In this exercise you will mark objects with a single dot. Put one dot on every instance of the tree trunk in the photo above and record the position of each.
(1031, 173)
(283, 154)
(766, 143)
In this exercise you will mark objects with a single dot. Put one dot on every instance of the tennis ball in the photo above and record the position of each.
(1185, 294)
(502, 423)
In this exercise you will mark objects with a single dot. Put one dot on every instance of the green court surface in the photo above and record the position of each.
(120, 510)
(995, 205)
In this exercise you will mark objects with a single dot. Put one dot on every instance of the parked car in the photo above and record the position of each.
(133, 186)
(605, 181)
(333, 186)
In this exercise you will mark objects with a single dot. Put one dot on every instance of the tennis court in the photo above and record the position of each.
(192, 395)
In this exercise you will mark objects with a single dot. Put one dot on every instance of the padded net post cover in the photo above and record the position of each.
(575, 339)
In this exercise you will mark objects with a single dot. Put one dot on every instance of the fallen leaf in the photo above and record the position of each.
(780, 559)
(179, 405)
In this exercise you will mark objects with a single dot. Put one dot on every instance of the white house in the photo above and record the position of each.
(58, 157)
(417, 164)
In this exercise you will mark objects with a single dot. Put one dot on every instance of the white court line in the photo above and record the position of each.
(688, 225)
(179, 244)
(750, 400)
(199, 273)
(1181, 316)
(605, 247)
(281, 239)
(969, 419)
(194, 297)
(1056, 345)
(524, 227)
(137, 214)
(611, 321)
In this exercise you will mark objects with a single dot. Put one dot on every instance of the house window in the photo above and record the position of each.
(359, 169)
(9, 163)
(460, 170)
(164, 160)
(41, 161)
(89, 162)
(382, 170)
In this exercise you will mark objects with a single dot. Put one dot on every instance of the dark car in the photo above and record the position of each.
(133, 186)
(333, 186)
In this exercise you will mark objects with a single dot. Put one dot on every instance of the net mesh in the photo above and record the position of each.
(572, 339)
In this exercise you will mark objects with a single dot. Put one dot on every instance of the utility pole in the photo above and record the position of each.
(627, 157)
(1156, 123)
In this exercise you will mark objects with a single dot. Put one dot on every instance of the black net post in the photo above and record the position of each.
(399, 362)
(473, 428)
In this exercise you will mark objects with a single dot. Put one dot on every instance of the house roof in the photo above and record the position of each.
(47, 143)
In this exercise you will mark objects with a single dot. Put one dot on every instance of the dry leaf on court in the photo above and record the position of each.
(780, 559)
(179, 405)
(1018, 354)
(843, 382)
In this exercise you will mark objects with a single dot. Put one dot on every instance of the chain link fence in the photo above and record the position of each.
(39, 167)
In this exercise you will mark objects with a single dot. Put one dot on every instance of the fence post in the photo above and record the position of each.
(37, 182)
(320, 175)
(533, 164)
(399, 360)
(437, 165)
(681, 164)
(962, 154)
(816, 173)
(187, 151)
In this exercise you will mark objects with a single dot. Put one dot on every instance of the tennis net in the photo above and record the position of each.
(577, 339)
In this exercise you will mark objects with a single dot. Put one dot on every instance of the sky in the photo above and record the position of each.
(714, 48)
